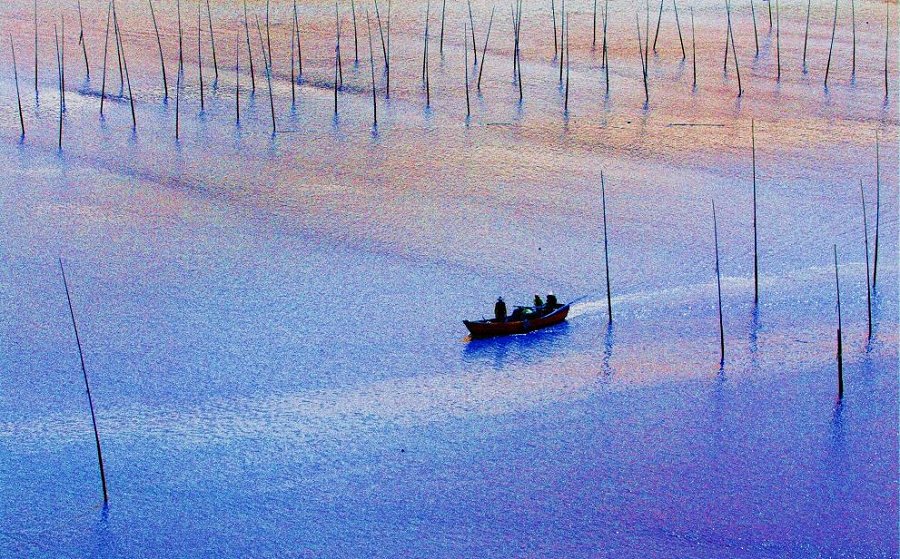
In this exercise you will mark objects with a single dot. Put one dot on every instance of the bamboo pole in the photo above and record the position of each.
(83, 42)
(606, 249)
(866, 241)
(887, 32)
(105, 52)
(121, 41)
(853, 27)
(719, 287)
(658, 23)
(466, 55)
(678, 25)
(212, 42)
(299, 49)
(777, 34)
(605, 48)
(806, 33)
(60, 88)
(268, 70)
(87, 385)
(737, 67)
(16, 77)
(755, 32)
(249, 49)
(484, 50)
(693, 48)
(355, 40)
(237, 78)
(162, 61)
(831, 47)
(877, 211)
(840, 349)
(372, 68)
(472, 28)
(755, 237)
(180, 38)
(443, 14)
(568, 64)
(200, 56)
(555, 42)
(562, 39)
(35, 49)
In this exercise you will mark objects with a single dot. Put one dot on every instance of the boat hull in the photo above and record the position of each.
(492, 328)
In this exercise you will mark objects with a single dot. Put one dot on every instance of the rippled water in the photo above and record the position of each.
(273, 328)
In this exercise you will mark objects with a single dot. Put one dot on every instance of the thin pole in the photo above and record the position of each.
(337, 23)
(484, 50)
(555, 42)
(180, 39)
(694, 47)
(678, 25)
(268, 75)
(737, 67)
(212, 42)
(594, 36)
(121, 40)
(271, 67)
(755, 241)
(853, 25)
(200, 56)
(519, 52)
(562, 39)
(249, 50)
(605, 48)
(831, 48)
(293, 59)
(866, 238)
(472, 28)
(719, 286)
(355, 42)
(87, 385)
(443, 14)
(177, 100)
(466, 55)
(643, 60)
(777, 33)
(35, 49)
(877, 211)
(16, 76)
(299, 49)
(59, 78)
(606, 248)
(427, 67)
(384, 51)
(237, 77)
(840, 349)
(658, 23)
(387, 88)
(806, 32)
(755, 32)
(162, 61)
(568, 61)
(62, 58)
(83, 43)
(887, 30)
(372, 67)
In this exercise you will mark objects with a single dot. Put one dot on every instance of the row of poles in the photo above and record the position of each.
(871, 267)
(561, 50)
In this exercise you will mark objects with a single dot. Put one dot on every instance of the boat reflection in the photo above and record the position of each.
(518, 349)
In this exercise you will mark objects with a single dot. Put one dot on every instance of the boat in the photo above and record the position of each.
(491, 327)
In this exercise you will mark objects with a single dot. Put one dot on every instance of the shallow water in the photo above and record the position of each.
(272, 325)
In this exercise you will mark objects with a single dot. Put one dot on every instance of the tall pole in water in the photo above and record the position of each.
(86, 384)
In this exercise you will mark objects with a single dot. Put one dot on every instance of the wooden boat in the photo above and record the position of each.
(492, 327)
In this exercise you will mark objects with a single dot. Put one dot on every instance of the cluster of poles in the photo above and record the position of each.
(871, 264)
(245, 39)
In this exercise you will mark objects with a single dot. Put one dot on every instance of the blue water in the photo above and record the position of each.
(272, 327)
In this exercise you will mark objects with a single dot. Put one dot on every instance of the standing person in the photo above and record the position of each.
(500, 310)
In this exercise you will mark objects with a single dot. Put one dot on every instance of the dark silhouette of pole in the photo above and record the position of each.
(866, 239)
(719, 286)
(877, 210)
(86, 384)
(755, 240)
(840, 349)
(162, 61)
(606, 248)
(16, 76)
